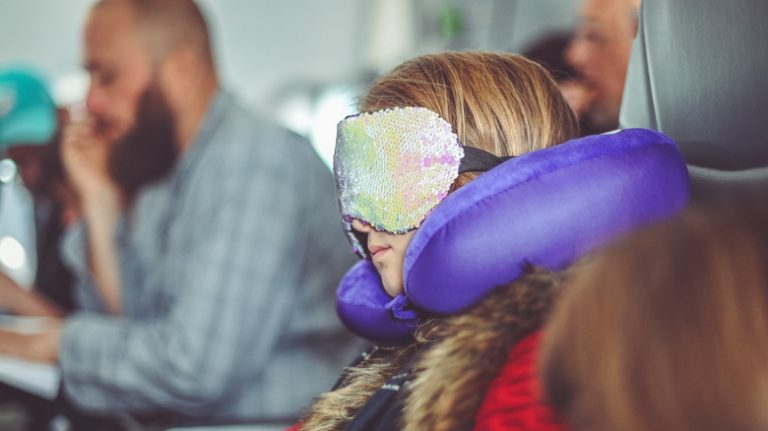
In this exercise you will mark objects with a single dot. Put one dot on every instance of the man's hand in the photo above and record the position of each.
(25, 302)
(86, 155)
(38, 347)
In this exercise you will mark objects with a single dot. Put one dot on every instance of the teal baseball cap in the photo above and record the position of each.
(27, 112)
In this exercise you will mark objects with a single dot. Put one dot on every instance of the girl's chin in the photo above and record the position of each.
(392, 290)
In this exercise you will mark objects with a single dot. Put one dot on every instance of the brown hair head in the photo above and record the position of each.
(501, 103)
(667, 330)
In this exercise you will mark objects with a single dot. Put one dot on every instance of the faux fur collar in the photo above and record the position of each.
(452, 375)
(456, 358)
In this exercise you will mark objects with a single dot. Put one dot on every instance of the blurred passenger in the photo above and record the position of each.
(439, 220)
(549, 52)
(667, 330)
(220, 257)
(600, 54)
(30, 127)
(30, 136)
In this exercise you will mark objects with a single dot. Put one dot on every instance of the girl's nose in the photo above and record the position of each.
(361, 226)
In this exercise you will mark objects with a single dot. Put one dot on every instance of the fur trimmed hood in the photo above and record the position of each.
(450, 365)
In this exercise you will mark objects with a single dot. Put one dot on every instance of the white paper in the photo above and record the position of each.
(39, 379)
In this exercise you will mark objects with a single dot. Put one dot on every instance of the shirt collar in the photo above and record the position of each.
(218, 110)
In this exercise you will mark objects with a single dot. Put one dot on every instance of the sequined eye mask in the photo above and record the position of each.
(394, 166)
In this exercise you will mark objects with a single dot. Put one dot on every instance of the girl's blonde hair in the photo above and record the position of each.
(501, 103)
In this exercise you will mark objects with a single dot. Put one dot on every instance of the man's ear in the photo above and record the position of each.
(178, 73)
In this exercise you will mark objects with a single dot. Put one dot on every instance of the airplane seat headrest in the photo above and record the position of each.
(699, 73)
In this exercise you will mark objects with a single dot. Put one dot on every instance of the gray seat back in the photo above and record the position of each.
(699, 73)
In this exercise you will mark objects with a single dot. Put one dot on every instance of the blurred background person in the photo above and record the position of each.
(600, 54)
(549, 52)
(219, 250)
(30, 136)
(666, 330)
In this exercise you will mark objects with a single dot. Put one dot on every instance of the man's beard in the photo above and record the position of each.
(148, 151)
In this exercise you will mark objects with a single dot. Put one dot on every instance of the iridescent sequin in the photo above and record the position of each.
(393, 167)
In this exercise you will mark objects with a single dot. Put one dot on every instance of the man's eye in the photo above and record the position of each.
(591, 35)
(103, 78)
(595, 37)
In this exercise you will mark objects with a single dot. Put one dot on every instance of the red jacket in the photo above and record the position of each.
(513, 400)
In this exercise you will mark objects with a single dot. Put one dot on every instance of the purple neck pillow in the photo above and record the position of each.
(547, 208)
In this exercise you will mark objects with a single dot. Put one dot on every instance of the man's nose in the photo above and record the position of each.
(576, 53)
(95, 100)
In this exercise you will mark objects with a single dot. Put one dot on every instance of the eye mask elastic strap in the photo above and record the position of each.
(477, 160)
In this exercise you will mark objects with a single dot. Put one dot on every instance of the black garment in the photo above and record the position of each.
(384, 409)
